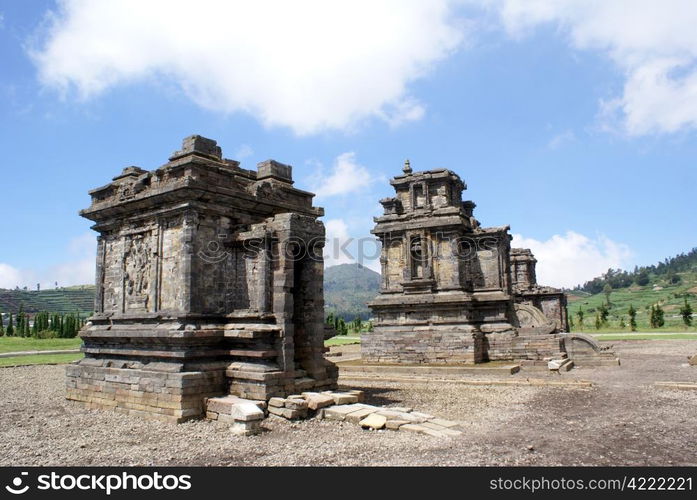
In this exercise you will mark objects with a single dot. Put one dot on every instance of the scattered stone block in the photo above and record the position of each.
(444, 423)
(288, 413)
(338, 412)
(420, 429)
(395, 424)
(343, 398)
(418, 414)
(358, 415)
(373, 421)
(246, 428)
(403, 409)
(296, 404)
(693, 360)
(359, 394)
(316, 400)
(277, 402)
(246, 412)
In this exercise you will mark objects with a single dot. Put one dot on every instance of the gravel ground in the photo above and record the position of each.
(622, 420)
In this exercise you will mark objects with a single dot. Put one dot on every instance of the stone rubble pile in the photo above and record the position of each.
(245, 416)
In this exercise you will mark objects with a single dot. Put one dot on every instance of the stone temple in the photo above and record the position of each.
(454, 292)
(209, 282)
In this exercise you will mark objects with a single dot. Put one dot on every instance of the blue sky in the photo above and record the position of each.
(574, 122)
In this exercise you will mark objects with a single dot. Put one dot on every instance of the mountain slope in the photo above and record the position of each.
(347, 288)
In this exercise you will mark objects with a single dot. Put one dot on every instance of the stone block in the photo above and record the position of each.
(373, 421)
(246, 412)
(358, 415)
(277, 402)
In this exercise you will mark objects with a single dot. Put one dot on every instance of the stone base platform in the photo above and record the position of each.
(356, 367)
(166, 396)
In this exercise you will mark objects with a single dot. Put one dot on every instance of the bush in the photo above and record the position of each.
(46, 334)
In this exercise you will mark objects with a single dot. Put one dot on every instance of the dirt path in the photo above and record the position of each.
(622, 420)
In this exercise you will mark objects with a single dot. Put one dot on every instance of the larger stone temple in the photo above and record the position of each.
(454, 292)
(209, 281)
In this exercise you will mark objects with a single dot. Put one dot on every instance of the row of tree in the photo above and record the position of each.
(668, 269)
(656, 317)
(343, 328)
(42, 325)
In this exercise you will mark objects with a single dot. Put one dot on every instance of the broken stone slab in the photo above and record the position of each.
(296, 404)
(288, 413)
(420, 429)
(339, 412)
(443, 430)
(373, 421)
(246, 412)
(358, 415)
(444, 423)
(224, 404)
(692, 360)
(277, 402)
(359, 394)
(246, 428)
(316, 400)
(395, 424)
(398, 415)
(342, 398)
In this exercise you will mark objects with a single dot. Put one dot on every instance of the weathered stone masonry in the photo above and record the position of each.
(209, 281)
(453, 291)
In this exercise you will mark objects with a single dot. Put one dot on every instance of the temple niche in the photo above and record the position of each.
(209, 282)
(454, 292)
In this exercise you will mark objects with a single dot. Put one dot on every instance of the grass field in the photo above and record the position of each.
(40, 359)
(645, 336)
(670, 297)
(339, 340)
(15, 344)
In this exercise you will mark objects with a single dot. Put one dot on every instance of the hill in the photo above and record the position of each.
(62, 300)
(347, 288)
(668, 283)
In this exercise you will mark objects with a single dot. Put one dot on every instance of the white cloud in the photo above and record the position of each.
(244, 151)
(309, 65)
(335, 250)
(77, 270)
(653, 43)
(561, 139)
(347, 176)
(572, 259)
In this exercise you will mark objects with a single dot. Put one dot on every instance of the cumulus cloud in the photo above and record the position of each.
(310, 65)
(572, 259)
(77, 270)
(335, 250)
(652, 43)
(346, 176)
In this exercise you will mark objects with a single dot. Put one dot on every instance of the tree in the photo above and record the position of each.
(598, 321)
(2, 326)
(10, 327)
(685, 312)
(623, 325)
(656, 316)
(571, 321)
(642, 278)
(632, 318)
(580, 315)
(603, 312)
(607, 290)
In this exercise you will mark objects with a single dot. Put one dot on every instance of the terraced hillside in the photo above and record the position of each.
(62, 300)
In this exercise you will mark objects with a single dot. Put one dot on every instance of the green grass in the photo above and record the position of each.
(670, 297)
(40, 359)
(646, 336)
(15, 344)
(342, 341)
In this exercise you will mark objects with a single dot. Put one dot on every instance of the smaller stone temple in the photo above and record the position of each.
(209, 282)
(454, 292)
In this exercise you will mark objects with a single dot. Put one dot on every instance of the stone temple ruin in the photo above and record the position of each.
(454, 292)
(209, 281)
(209, 298)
